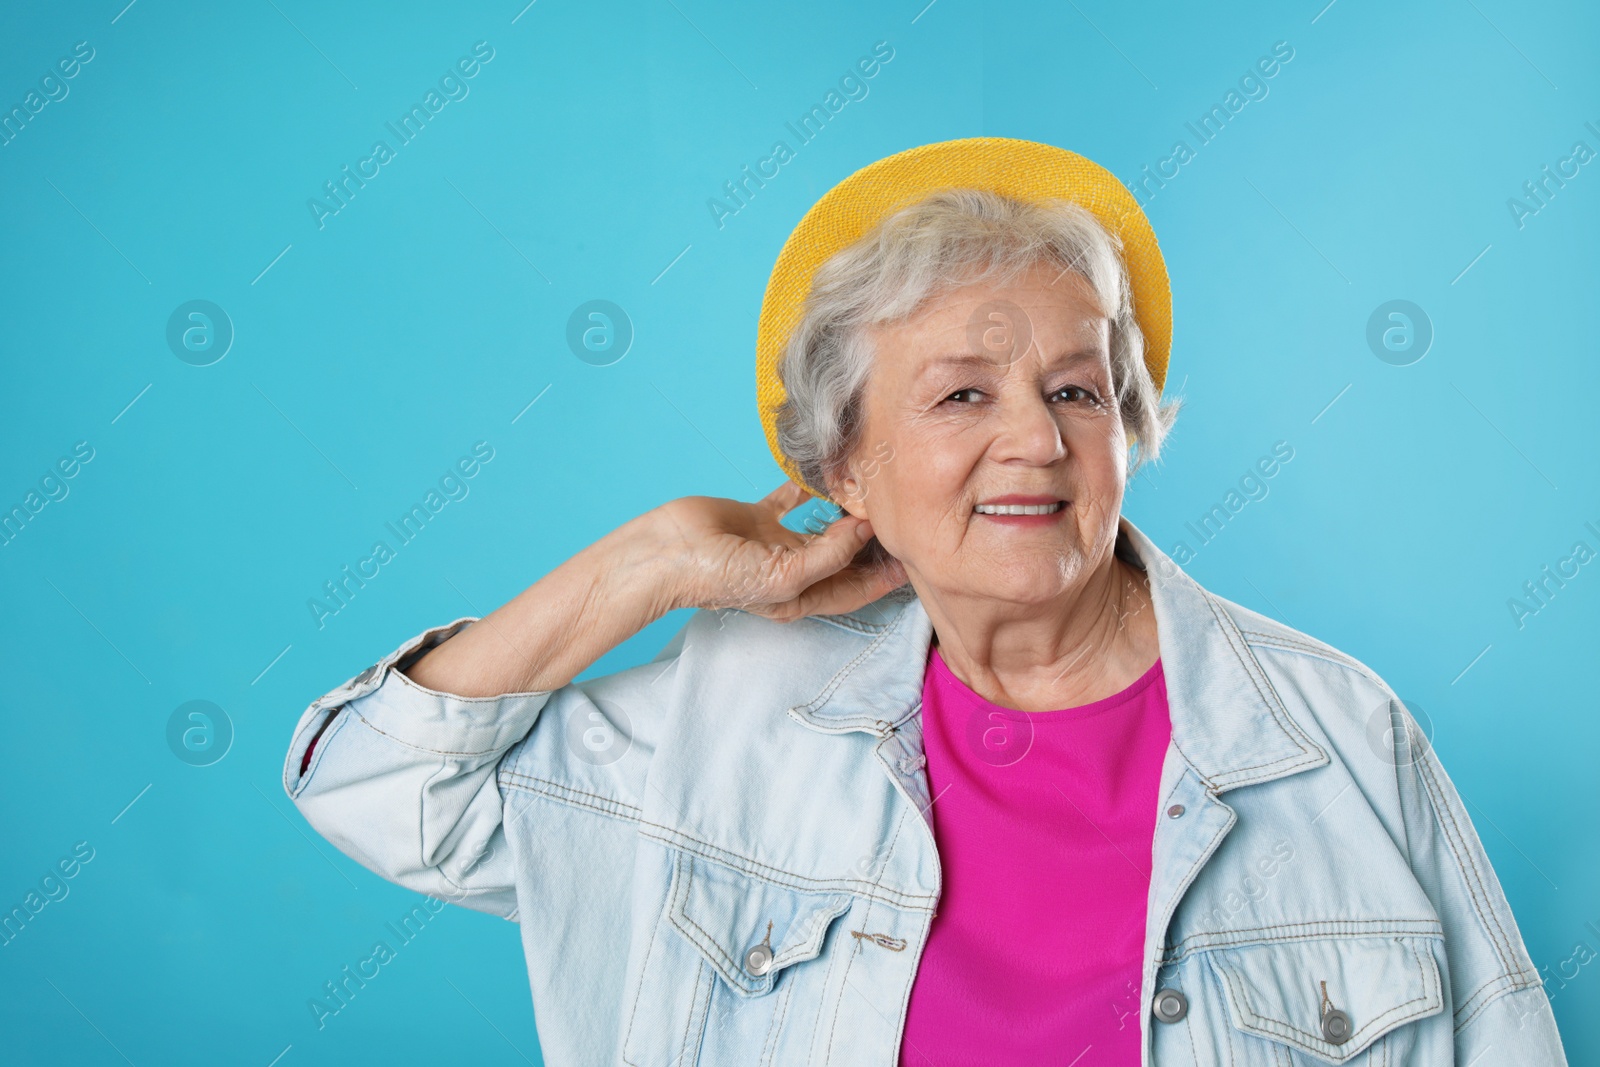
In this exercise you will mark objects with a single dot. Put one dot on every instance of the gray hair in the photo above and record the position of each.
(951, 238)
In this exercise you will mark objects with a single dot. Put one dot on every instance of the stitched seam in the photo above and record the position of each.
(769, 1046)
(849, 623)
(1229, 628)
(1313, 1042)
(1183, 887)
(1188, 1026)
(1337, 658)
(833, 964)
(387, 666)
(638, 993)
(807, 935)
(1290, 644)
(906, 815)
(1277, 1027)
(911, 981)
(678, 910)
(849, 961)
(844, 672)
(557, 792)
(1252, 667)
(1512, 984)
(1241, 652)
(801, 883)
(674, 838)
(694, 999)
(1232, 779)
(420, 748)
(820, 918)
(1455, 839)
(1474, 995)
(1211, 787)
(1257, 942)
(1312, 931)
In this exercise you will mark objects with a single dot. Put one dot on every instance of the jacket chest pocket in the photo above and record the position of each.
(732, 969)
(1266, 1003)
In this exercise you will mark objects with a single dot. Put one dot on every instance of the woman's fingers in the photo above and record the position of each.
(786, 497)
(845, 591)
(741, 555)
(827, 556)
(832, 550)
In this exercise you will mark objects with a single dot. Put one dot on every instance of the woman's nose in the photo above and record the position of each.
(1027, 429)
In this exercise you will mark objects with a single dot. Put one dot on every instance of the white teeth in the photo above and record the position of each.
(1019, 509)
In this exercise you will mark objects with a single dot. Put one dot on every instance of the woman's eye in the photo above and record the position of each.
(1070, 393)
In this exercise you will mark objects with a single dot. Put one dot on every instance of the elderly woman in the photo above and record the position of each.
(975, 775)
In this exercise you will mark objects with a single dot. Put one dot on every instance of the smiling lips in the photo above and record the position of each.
(1017, 504)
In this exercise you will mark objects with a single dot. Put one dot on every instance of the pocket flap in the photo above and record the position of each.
(1274, 989)
(725, 914)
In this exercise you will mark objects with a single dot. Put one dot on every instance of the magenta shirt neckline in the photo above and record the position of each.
(947, 678)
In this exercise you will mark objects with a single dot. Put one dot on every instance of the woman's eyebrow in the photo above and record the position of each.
(967, 359)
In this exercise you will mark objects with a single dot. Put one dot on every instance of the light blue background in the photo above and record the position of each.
(432, 310)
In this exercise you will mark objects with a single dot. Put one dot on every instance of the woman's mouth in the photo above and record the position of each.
(1044, 514)
(1020, 509)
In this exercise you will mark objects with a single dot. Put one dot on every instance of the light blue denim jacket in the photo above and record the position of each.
(725, 856)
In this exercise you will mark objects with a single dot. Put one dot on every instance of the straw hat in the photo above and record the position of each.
(1023, 170)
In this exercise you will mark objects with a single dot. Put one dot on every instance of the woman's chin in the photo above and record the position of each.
(1036, 583)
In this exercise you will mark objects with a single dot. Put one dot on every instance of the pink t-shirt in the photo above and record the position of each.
(1044, 822)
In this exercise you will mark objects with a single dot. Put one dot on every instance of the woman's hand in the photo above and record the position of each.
(732, 554)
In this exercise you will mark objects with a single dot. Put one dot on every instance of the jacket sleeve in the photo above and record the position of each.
(403, 779)
(1501, 1012)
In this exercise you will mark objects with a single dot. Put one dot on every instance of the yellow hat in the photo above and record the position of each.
(1022, 170)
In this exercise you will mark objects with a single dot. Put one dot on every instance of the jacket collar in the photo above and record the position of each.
(1227, 721)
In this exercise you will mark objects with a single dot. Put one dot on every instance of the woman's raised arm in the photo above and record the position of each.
(397, 767)
(696, 551)
(553, 630)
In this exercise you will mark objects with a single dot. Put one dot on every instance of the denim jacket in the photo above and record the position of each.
(725, 856)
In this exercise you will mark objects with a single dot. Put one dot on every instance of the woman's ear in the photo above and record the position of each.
(847, 493)
(845, 490)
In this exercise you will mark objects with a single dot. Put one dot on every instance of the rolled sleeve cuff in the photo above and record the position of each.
(442, 723)
(393, 705)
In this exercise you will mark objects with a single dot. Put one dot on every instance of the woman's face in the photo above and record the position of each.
(986, 394)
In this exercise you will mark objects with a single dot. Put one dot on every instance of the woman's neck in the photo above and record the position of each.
(1090, 643)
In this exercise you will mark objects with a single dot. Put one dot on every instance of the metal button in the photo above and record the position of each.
(1170, 1005)
(1336, 1026)
(757, 960)
(1175, 811)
